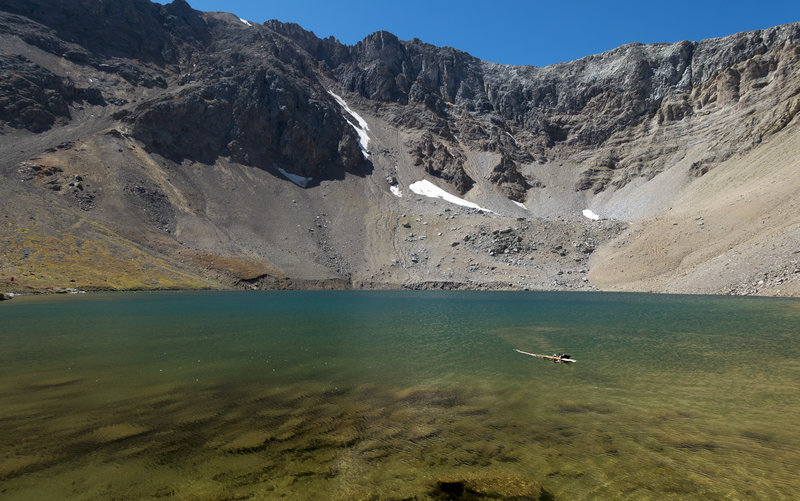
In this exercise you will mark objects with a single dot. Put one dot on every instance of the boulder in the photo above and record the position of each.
(491, 487)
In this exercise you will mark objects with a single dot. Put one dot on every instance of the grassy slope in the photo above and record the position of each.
(42, 248)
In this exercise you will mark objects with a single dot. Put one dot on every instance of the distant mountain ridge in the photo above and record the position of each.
(168, 111)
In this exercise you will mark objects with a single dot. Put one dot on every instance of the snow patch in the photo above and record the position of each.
(298, 180)
(396, 191)
(520, 204)
(245, 21)
(362, 127)
(429, 189)
(591, 215)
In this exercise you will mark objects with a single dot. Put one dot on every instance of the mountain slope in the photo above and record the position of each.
(217, 153)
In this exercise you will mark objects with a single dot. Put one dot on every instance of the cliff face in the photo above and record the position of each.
(581, 107)
(200, 138)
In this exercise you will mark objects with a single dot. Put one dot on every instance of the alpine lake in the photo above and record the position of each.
(398, 395)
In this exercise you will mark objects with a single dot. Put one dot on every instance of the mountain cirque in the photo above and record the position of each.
(155, 146)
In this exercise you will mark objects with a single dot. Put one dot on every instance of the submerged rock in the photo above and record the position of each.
(117, 432)
(246, 442)
(475, 488)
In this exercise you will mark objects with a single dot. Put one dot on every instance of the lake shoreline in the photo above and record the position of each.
(340, 285)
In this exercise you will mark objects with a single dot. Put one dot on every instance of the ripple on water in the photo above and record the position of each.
(360, 405)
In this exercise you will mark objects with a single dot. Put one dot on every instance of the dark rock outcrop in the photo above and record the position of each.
(441, 161)
(489, 488)
(33, 98)
(257, 116)
(509, 179)
(248, 95)
(135, 29)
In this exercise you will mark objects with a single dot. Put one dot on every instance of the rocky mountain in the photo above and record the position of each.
(156, 146)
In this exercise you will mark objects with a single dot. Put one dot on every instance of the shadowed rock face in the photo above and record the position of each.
(140, 91)
(258, 117)
(241, 96)
(136, 29)
(33, 98)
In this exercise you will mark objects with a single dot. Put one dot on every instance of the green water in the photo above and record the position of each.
(398, 395)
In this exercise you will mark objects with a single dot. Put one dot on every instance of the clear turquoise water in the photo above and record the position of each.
(392, 395)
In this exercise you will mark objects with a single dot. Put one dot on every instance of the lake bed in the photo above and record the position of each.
(398, 394)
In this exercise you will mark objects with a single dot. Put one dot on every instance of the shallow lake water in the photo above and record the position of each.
(398, 395)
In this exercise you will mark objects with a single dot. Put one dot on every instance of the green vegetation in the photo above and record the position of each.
(86, 256)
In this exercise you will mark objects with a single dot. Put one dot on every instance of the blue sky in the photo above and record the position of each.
(518, 31)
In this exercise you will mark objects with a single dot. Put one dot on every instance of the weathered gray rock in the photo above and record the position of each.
(442, 161)
(511, 182)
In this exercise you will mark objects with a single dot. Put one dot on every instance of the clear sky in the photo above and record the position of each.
(519, 31)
